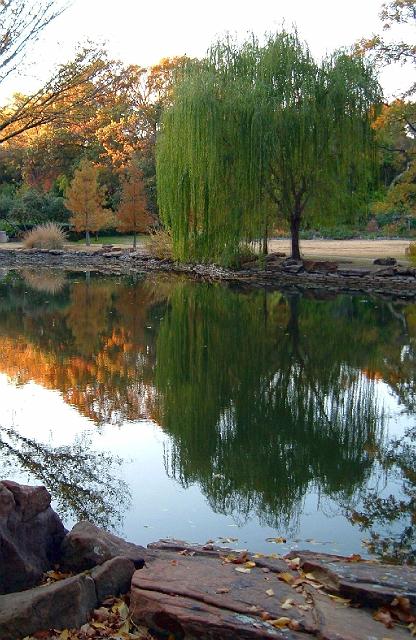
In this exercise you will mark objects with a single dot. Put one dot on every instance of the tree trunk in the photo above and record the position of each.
(294, 230)
(87, 238)
(265, 239)
(134, 239)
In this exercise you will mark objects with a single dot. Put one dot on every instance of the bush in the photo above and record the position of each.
(46, 236)
(160, 244)
(411, 252)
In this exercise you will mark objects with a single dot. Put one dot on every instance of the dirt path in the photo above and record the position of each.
(357, 251)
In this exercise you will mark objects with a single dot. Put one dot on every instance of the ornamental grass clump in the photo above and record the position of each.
(160, 245)
(45, 236)
(411, 252)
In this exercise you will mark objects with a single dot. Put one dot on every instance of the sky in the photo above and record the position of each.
(143, 32)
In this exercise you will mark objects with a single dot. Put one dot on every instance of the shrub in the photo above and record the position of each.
(46, 236)
(411, 252)
(160, 244)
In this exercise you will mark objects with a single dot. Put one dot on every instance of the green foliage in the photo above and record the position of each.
(260, 130)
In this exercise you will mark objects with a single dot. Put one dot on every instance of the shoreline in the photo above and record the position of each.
(397, 281)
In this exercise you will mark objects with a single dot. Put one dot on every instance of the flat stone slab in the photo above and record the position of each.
(367, 582)
(209, 592)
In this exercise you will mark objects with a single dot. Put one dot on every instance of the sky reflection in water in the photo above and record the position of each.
(160, 407)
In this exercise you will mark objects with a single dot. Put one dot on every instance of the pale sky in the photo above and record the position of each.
(143, 32)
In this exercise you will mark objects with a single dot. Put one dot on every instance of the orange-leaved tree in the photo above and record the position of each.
(84, 199)
(132, 214)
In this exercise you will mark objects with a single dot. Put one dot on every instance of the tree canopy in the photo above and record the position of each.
(258, 132)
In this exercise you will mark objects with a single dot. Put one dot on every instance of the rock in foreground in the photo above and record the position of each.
(30, 535)
(87, 546)
(204, 592)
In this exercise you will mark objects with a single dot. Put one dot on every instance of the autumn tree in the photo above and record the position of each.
(21, 23)
(261, 132)
(396, 125)
(84, 199)
(132, 214)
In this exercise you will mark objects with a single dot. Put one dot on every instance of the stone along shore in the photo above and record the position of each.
(276, 272)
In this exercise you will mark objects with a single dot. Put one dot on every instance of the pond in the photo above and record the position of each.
(160, 407)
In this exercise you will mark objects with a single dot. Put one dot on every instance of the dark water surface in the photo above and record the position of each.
(160, 407)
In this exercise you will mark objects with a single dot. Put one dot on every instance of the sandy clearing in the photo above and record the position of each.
(364, 251)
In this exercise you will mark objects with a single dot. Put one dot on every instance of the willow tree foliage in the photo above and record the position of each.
(261, 132)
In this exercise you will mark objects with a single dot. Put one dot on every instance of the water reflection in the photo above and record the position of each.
(265, 397)
(81, 481)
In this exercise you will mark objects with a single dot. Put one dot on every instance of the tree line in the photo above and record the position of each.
(221, 151)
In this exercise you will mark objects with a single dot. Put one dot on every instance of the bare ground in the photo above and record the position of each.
(356, 251)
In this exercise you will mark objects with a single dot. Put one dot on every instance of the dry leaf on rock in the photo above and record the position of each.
(383, 615)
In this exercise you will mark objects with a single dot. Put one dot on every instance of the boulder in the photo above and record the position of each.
(113, 577)
(319, 266)
(62, 605)
(30, 535)
(87, 546)
(385, 262)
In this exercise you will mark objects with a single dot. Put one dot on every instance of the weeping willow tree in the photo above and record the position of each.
(260, 132)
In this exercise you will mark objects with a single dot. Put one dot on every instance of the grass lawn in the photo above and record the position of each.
(128, 240)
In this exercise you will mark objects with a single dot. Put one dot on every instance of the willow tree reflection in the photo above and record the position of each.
(264, 399)
(84, 483)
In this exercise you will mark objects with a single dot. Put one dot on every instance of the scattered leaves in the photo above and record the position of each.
(279, 540)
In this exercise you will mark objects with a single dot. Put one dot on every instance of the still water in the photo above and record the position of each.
(160, 407)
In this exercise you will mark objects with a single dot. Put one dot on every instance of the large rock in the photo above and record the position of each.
(204, 592)
(385, 262)
(65, 604)
(87, 546)
(191, 591)
(30, 535)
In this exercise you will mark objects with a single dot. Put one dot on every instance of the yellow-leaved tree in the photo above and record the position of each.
(132, 214)
(84, 199)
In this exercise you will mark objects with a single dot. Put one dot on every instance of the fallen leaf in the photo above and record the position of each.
(270, 592)
(280, 623)
(125, 627)
(286, 577)
(384, 616)
(278, 540)
(355, 557)
(287, 604)
(250, 564)
(222, 590)
(339, 599)
(243, 569)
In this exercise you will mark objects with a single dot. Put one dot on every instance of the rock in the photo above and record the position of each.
(356, 273)
(113, 577)
(390, 272)
(87, 546)
(386, 262)
(190, 590)
(367, 582)
(64, 604)
(335, 621)
(30, 535)
(316, 266)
